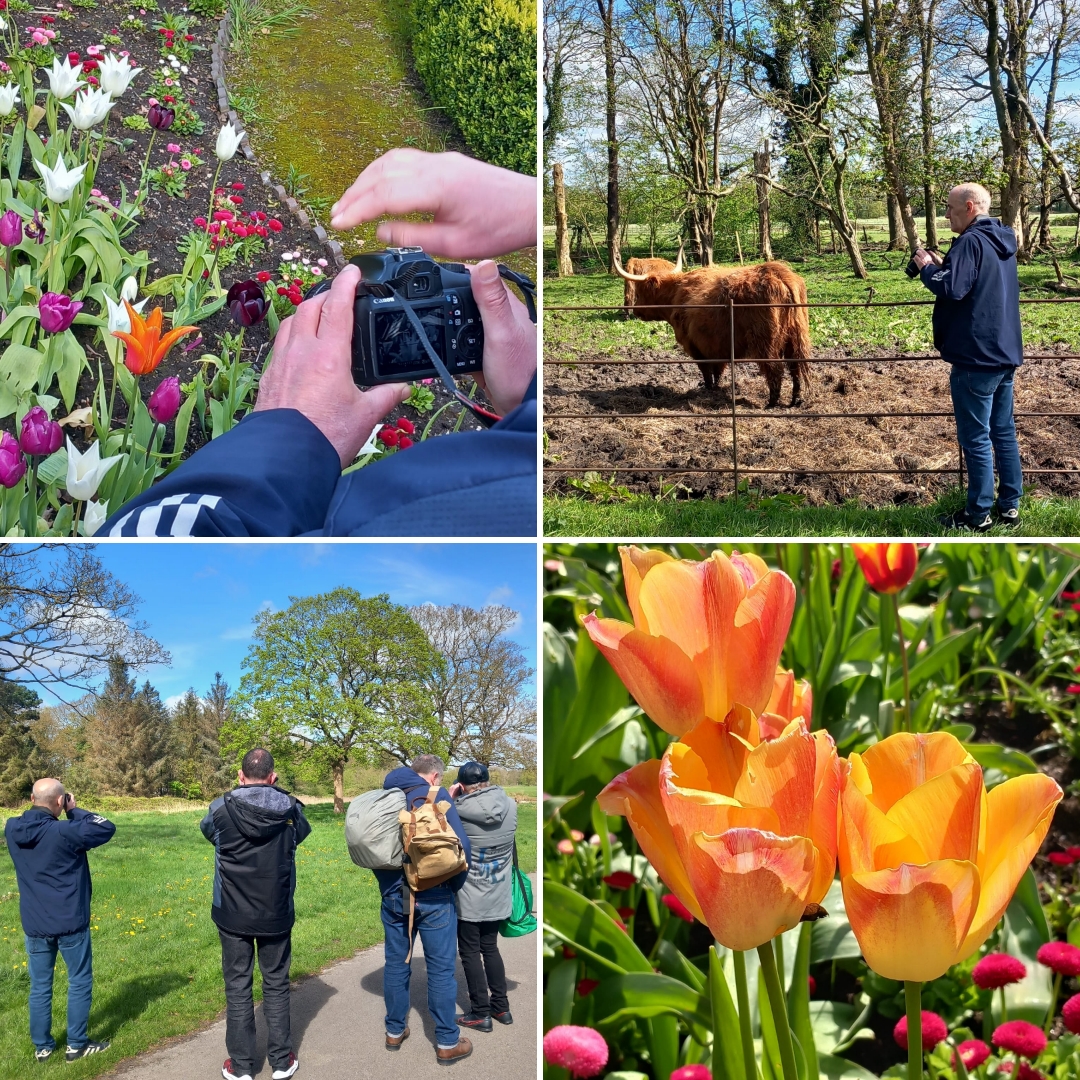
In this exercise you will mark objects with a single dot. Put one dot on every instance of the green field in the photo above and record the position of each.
(157, 960)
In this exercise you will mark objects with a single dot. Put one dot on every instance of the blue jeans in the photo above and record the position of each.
(41, 953)
(983, 403)
(436, 922)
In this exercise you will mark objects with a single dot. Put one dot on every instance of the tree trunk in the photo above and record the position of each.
(562, 236)
(896, 226)
(338, 772)
(926, 118)
(607, 17)
(762, 171)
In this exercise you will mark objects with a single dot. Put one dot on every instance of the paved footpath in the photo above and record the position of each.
(338, 1031)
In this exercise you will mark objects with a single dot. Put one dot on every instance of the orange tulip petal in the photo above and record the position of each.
(752, 885)
(887, 567)
(780, 775)
(943, 814)
(636, 563)
(867, 839)
(910, 922)
(761, 626)
(171, 338)
(752, 568)
(902, 762)
(635, 795)
(1018, 815)
(721, 750)
(828, 773)
(655, 671)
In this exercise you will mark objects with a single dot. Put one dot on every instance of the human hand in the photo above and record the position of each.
(922, 258)
(311, 371)
(509, 339)
(456, 790)
(69, 802)
(480, 210)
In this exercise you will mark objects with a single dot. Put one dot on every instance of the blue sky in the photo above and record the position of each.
(198, 599)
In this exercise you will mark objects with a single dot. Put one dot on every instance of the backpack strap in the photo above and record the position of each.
(432, 795)
(412, 912)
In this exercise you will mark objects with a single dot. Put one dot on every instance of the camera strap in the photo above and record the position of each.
(485, 416)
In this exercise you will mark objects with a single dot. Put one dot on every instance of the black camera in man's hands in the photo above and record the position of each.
(913, 269)
(386, 344)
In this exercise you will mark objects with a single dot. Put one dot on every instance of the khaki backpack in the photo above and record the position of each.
(433, 852)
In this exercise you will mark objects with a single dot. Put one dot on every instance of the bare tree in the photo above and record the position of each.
(609, 33)
(481, 694)
(64, 618)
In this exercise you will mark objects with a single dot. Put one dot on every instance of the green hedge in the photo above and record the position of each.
(478, 61)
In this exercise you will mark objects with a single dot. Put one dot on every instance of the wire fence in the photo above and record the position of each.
(737, 415)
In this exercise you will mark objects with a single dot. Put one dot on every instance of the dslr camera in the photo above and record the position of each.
(386, 347)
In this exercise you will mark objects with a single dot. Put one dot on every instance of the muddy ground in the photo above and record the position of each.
(781, 440)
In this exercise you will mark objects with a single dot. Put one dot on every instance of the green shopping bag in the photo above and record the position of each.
(522, 921)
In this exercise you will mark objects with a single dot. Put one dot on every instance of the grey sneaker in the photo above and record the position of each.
(1007, 517)
(42, 1055)
(73, 1053)
(961, 522)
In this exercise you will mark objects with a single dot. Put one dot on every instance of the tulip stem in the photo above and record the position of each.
(779, 1010)
(913, 1000)
(1053, 1004)
(146, 160)
(213, 188)
(75, 524)
(904, 662)
(743, 994)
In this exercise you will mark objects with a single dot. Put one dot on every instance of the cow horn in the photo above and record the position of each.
(623, 273)
(678, 261)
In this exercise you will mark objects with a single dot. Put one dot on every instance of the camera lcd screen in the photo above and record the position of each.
(399, 347)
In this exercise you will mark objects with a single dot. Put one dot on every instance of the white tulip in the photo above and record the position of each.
(3, 24)
(94, 516)
(228, 141)
(116, 74)
(86, 471)
(130, 289)
(64, 78)
(91, 107)
(118, 316)
(9, 98)
(60, 182)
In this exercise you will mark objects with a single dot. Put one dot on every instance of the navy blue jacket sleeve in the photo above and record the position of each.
(956, 275)
(207, 826)
(272, 475)
(85, 830)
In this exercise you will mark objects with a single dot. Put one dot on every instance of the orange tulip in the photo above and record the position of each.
(146, 347)
(929, 859)
(742, 831)
(706, 635)
(790, 700)
(887, 567)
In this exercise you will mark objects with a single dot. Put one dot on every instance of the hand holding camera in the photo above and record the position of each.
(923, 257)
(69, 802)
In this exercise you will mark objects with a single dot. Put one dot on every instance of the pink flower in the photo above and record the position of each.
(185, 164)
(676, 907)
(996, 970)
(1060, 957)
(564, 846)
(173, 148)
(323, 262)
(933, 1030)
(973, 1052)
(1062, 858)
(692, 1072)
(1020, 1037)
(1070, 1013)
(580, 1050)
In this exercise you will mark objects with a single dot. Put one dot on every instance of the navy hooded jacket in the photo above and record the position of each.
(276, 474)
(977, 313)
(416, 789)
(52, 870)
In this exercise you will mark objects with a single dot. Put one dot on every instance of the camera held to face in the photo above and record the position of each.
(912, 269)
(386, 345)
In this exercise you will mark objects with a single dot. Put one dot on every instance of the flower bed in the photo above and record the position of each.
(123, 185)
(874, 836)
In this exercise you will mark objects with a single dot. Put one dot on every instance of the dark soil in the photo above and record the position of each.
(166, 220)
(783, 441)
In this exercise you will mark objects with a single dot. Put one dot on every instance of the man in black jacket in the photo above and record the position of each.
(977, 330)
(54, 902)
(255, 829)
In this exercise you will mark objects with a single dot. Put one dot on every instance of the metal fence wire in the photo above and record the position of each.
(795, 417)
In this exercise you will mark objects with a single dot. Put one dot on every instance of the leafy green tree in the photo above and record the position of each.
(128, 737)
(198, 770)
(19, 753)
(336, 678)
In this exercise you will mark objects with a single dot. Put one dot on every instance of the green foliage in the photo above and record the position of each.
(208, 9)
(478, 61)
(19, 754)
(420, 398)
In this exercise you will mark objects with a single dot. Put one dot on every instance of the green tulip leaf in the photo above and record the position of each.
(586, 924)
(646, 995)
(559, 993)
(838, 1068)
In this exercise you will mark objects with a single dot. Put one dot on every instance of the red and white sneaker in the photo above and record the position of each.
(227, 1072)
(284, 1074)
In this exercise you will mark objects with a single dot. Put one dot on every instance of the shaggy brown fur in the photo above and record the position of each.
(704, 334)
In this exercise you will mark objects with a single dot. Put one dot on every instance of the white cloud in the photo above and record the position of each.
(499, 595)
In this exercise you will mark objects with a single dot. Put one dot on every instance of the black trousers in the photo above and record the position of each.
(478, 947)
(237, 965)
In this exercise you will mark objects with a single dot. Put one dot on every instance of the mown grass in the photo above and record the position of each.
(157, 958)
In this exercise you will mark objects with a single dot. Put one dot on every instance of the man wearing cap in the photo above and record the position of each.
(486, 899)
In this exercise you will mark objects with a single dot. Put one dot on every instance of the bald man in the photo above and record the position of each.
(54, 902)
(977, 329)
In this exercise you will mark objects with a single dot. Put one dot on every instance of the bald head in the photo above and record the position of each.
(966, 202)
(49, 794)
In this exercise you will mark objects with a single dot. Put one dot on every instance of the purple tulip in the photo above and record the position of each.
(247, 302)
(164, 402)
(40, 435)
(12, 462)
(57, 311)
(36, 229)
(11, 230)
(160, 117)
